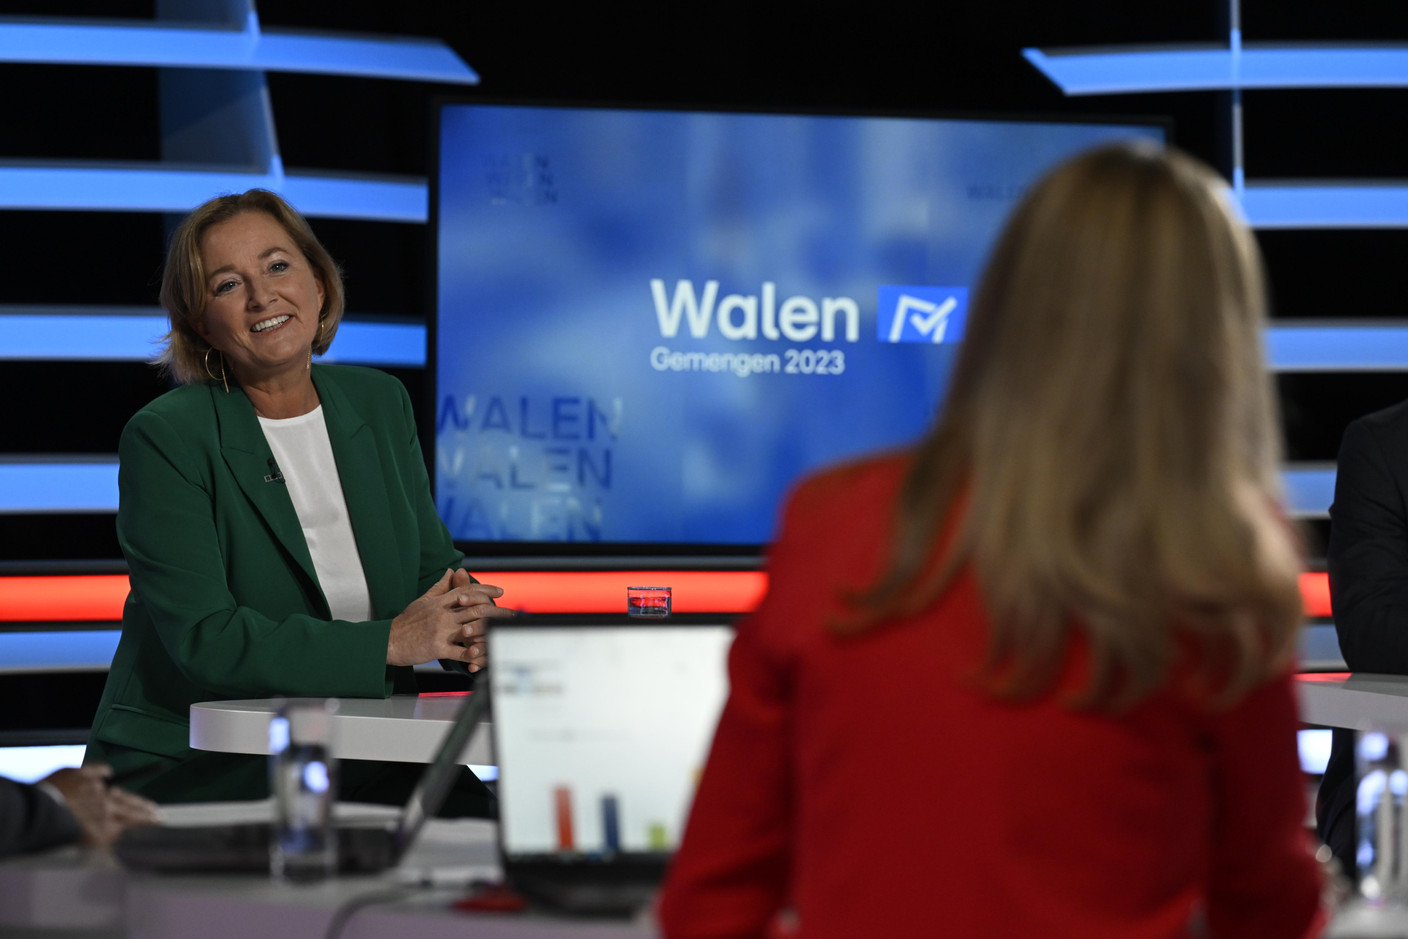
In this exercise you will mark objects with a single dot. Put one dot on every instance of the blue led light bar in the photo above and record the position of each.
(52, 485)
(95, 334)
(382, 199)
(1329, 204)
(1208, 67)
(153, 188)
(29, 764)
(388, 344)
(58, 485)
(66, 650)
(69, 334)
(131, 334)
(1310, 488)
(1338, 347)
(1236, 66)
(191, 46)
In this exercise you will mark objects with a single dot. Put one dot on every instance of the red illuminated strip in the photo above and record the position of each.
(70, 598)
(1324, 676)
(1315, 594)
(605, 591)
(99, 597)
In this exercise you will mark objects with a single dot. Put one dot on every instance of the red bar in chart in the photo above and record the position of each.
(562, 802)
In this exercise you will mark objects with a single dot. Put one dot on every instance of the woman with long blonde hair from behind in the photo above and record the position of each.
(1031, 677)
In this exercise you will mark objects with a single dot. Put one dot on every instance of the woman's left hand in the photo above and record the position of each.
(448, 621)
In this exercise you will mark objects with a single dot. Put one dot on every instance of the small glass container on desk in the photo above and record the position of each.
(303, 782)
(648, 601)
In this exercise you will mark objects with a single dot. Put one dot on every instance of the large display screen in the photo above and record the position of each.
(649, 323)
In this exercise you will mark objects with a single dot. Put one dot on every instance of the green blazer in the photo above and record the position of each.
(224, 600)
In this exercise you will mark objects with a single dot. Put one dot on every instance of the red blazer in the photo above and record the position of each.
(872, 788)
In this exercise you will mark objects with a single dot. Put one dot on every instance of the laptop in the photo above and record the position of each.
(365, 846)
(602, 724)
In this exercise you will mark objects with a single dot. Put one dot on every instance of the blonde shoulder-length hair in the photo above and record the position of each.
(185, 294)
(1106, 457)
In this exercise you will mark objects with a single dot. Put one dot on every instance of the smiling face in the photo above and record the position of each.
(262, 298)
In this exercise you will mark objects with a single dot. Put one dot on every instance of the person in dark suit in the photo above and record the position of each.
(66, 807)
(1033, 676)
(276, 518)
(1367, 557)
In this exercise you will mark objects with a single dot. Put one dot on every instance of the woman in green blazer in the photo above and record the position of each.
(276, 518)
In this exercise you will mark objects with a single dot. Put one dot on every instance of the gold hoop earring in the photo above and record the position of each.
(221, 379)
(314, 344)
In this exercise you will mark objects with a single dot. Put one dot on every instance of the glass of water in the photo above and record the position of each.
(648, 601)
(303, 780)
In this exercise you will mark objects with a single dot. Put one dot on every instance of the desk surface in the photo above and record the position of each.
(1360, 701)
(87, 893)
(403, 728)
(216, 908)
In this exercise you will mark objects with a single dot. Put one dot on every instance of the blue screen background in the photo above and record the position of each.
(555, 421)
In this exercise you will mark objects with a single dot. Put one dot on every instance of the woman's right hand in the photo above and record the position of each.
(446, 622)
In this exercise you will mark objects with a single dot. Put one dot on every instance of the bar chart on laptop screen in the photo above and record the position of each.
(602, 734)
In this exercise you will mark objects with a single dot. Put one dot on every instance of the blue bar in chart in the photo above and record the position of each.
(610, 823)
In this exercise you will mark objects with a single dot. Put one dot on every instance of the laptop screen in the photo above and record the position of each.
(601, 728)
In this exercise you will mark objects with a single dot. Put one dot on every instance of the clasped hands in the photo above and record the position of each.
(448, 621)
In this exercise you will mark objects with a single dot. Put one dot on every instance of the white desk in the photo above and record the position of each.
(1360, 701)
(403, 728)
(221, 908)
(65, 892)
(71, 893)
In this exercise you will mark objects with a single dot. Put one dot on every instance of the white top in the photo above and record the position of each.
(303, 453)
